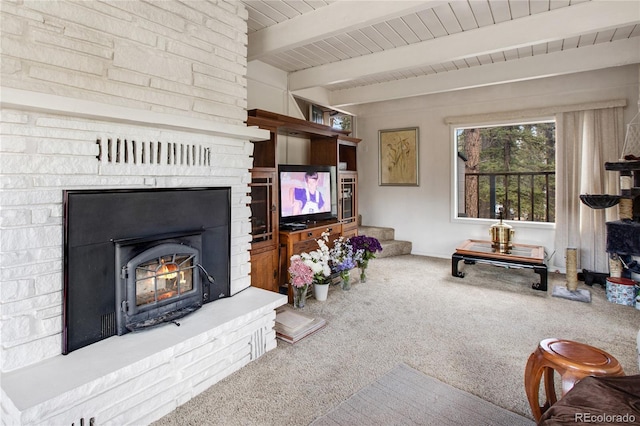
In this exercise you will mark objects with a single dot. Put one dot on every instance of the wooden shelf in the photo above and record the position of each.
(327, 147)
(264, 229)
(293, 126)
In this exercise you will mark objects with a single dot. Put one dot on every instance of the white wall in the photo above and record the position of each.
(267, 90)
(423, 214)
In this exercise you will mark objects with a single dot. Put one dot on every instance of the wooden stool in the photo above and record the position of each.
(572, 360)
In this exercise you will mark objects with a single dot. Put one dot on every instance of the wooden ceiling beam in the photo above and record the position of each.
(337, 18)
(599, 56)
(558, 24)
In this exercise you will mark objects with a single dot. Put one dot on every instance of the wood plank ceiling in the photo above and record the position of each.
(363, 51)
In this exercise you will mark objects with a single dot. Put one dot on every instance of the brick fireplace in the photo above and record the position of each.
(121, 96)
(136, 377)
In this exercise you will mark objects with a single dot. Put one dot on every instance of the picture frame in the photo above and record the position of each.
(316, 114)
(398, 150)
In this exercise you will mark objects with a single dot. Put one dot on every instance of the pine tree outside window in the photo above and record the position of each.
(506, 167)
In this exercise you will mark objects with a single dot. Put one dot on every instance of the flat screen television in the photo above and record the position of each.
(307, 194)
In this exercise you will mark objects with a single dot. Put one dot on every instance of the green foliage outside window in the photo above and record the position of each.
(511, 167)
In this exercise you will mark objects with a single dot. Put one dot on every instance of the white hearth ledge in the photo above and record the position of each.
(62, 105)
(139, 377)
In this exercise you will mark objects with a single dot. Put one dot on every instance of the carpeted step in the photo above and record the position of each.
(381, 233)
(394, 248)
(386, 236)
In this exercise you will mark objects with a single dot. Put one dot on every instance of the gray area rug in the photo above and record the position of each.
(405, 396)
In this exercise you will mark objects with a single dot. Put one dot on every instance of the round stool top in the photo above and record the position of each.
(579, 356)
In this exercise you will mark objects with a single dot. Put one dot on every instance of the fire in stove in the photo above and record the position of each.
(159, 281)
(164, 278)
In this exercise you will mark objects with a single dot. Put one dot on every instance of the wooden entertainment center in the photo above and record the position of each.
(305, 240)
(272, 247)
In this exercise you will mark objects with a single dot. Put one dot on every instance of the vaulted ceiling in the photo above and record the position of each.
(340, 52)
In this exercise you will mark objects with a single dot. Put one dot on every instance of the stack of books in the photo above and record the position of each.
(291, 326)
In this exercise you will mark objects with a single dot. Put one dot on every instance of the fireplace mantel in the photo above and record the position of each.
(61, 105)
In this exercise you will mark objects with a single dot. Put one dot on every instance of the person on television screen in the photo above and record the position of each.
(308, 200)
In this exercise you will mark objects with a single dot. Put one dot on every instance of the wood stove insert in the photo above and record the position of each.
(112, 238)
(158, 281)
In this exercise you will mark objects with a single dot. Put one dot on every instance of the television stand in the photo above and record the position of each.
(296, 226)
(303, 241)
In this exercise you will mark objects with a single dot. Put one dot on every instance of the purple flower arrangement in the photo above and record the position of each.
(365, 248)
(342, 256)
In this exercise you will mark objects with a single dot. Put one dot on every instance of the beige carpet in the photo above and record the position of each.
(474, 333)
(405, 396)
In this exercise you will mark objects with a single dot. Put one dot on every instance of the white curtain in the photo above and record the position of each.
(585, 140)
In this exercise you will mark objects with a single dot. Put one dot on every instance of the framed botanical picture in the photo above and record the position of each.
(399, 156)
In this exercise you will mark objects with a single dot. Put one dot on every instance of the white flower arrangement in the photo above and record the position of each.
(318, 260)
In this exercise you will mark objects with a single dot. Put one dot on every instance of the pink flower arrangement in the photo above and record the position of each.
(300, 272)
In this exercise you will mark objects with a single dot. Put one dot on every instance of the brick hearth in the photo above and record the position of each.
(139, 377)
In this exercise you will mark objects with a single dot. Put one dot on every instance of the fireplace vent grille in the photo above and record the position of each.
(109, 327)
(128, 151)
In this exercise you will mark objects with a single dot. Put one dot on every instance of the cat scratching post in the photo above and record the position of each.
(572, 269)
(571, 291)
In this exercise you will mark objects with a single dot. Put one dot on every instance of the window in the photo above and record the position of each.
(508, 169)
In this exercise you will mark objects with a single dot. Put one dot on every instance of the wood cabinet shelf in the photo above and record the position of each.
(264, 229)
(327, 147)
(305, 240)
(292, 126)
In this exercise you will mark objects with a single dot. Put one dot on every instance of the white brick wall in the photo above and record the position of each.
(186, 58)
(175, 71)
(181, 57)
(59, 153)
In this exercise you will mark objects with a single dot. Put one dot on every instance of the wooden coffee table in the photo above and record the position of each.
(521, 256)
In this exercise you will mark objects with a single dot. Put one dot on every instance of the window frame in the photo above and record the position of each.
(453, 127)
